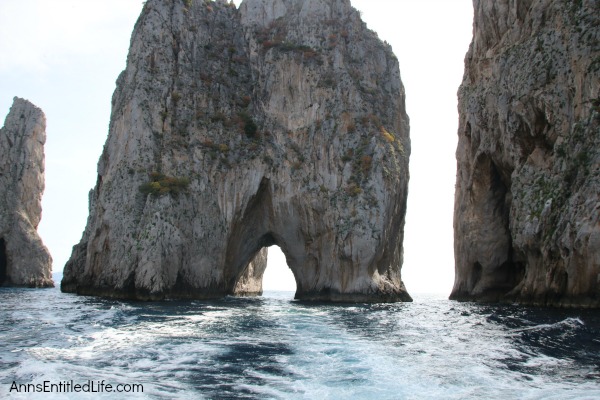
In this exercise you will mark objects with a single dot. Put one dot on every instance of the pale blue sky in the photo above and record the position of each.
(65, 55)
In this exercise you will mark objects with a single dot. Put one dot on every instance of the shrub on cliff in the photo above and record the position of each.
(161, 184)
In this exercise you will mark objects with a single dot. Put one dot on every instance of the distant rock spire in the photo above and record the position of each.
(24, 260)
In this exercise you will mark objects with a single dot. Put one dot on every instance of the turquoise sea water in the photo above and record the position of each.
(273, 347)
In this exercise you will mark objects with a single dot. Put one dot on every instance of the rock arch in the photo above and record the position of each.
(259, 228)
(246, 130)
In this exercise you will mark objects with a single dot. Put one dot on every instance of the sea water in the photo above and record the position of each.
(273, 347)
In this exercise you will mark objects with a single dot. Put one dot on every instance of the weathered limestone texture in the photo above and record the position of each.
(24, 260)
(527, 211)
(281, 122)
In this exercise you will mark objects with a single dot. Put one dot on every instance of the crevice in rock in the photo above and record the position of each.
(476, 274)
(515, 273)
(499, 187)
(3, 261)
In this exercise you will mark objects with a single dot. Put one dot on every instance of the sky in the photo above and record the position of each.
(65, 56)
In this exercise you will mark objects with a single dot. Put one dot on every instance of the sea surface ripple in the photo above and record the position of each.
(273, 347)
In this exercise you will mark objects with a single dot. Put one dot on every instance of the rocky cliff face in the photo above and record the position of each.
(527, 212)
(281, 122)
(24, 260)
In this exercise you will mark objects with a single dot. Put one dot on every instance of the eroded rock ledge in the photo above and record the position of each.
(24, 260)
(527, 211)
(281, 123)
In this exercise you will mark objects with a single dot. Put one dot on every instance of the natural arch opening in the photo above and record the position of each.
(278, 276)
(258, 230)
(3, 262)
(255, 280)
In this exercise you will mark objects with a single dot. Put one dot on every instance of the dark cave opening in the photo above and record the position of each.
(499, 188)
(476, 274)
(3, 261)
(497, 267)
(510, 272)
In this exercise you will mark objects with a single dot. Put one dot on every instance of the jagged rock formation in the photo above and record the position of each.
(282, 123)
(527, 212)
(24, 260)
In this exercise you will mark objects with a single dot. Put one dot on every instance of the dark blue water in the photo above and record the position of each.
(273, 347)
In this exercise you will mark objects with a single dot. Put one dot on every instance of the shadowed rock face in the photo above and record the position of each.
(24, 260)
(527, 211)
(232, 130)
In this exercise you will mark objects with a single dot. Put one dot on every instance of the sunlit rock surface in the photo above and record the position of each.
(24, 260)
(281, 123)
(527, 211)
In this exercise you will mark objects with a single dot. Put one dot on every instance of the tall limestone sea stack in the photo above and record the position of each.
(527, 211)
(24, 260)
(278, 123)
